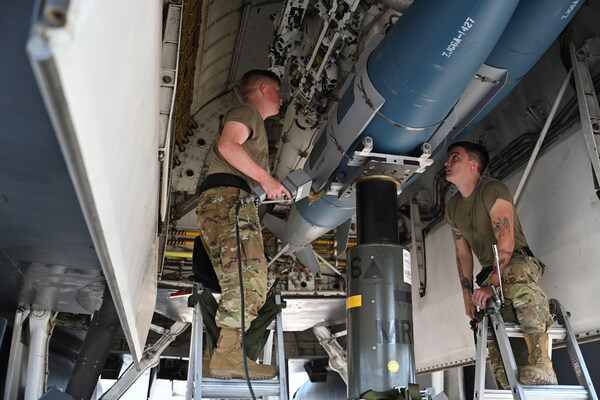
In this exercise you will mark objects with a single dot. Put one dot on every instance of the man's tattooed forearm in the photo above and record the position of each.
(464, 282)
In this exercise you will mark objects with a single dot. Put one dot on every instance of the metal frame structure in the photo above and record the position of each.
(492, 325)
(150, 359)
(35, 355)
(588, 101)
(168, 91)
(197, 386)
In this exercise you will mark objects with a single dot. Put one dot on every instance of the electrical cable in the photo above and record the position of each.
(243, 304)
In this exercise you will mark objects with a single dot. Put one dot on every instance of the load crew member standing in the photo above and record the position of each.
(240, 162)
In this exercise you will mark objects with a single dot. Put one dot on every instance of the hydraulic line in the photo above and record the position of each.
(178, 232)
(180, 242)
(179, 254)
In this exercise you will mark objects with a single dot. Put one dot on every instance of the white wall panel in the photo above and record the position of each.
(442, 334)
(560, 213)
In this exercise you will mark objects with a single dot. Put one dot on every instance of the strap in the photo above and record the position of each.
(224, 180)
(393, 394)
(410, 393)
(483, 274)
(526, 251)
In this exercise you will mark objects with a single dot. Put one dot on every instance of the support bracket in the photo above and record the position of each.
(150, 359)
(418, 246)
(588, 102)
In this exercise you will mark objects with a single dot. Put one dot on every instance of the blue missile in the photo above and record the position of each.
(415, 79)
(532, 29)
(420, 80)
(517, 55)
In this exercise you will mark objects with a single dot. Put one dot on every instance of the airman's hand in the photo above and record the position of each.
(481, 296)
(469, 306)
(274, 189)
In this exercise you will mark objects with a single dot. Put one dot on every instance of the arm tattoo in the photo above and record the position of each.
(464, 281)
(505, 252)
(456, 234)
(501, 227)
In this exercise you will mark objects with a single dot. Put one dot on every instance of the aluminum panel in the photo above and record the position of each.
(102, 90)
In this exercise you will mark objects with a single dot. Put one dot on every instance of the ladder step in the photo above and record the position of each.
(238, 388)
(563, 392)
(555, 332)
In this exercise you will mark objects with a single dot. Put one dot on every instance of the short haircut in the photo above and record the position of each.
(476, 152)
(252, 80)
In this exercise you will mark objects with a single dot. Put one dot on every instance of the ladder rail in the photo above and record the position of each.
(198, 338)
(191, 361)
(575, 355)
(234, 388)
(508, 358)
(280, 351)
(541, 393)
(501, 332)
(480, 358)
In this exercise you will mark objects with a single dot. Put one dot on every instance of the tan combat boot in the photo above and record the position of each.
(205, 363)
(227, 361)
(539, 371)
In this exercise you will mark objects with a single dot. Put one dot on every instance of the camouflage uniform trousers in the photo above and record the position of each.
(526, 304)
(216, 218)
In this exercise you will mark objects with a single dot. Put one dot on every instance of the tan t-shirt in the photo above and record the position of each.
(471, 216)
(257, 144)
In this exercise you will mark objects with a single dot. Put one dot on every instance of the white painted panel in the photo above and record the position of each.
(108, 59)
(560, 214)
(441, 328)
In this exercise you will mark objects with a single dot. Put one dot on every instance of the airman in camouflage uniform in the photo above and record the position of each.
(482, 214)
(240, 161)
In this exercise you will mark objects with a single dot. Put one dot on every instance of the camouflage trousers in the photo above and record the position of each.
(216, 218)
(526, 304)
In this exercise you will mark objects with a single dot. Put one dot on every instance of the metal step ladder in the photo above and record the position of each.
(209, 388)
(492, 325)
